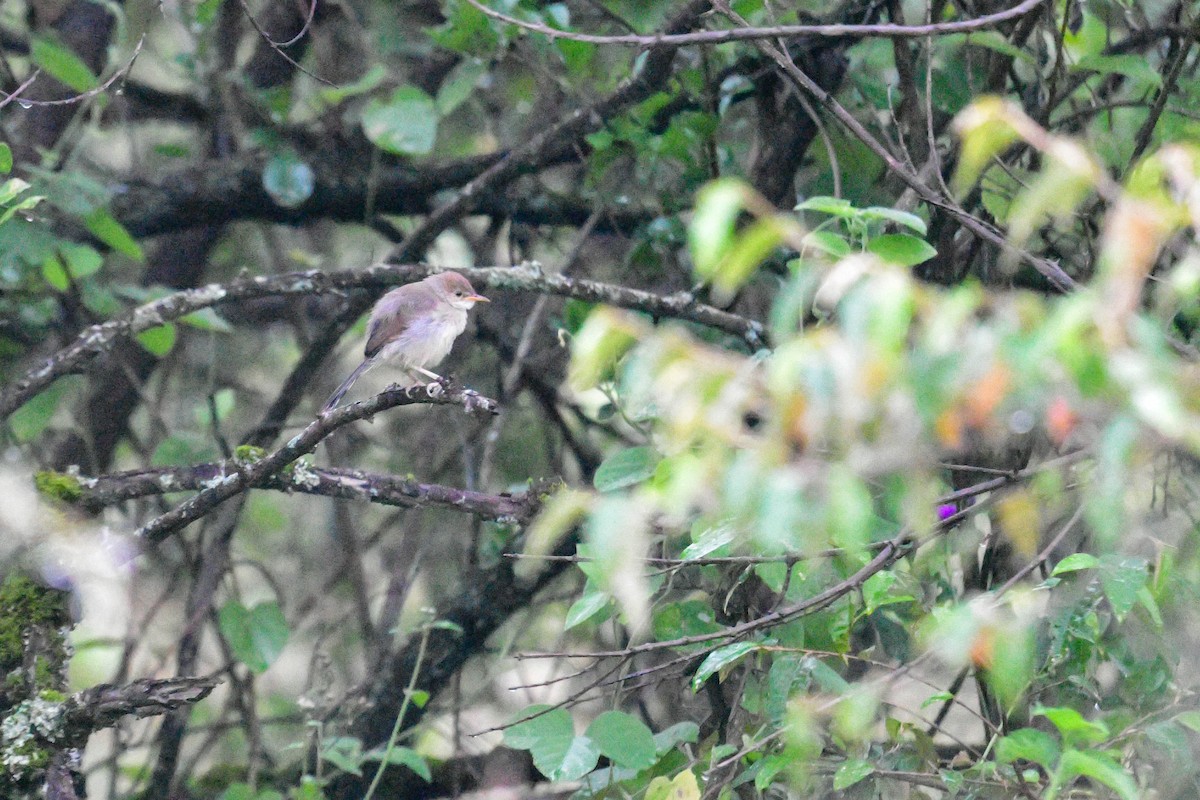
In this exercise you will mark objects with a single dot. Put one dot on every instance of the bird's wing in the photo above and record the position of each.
(395, 312)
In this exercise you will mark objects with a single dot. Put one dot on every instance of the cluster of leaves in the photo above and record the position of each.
(810, 459)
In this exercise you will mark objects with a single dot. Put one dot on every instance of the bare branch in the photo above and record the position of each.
(98, 338)
(433, 394)
(351, 484)
(836, 30)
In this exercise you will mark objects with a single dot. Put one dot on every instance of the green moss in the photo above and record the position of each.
(58, 485)
(52, 696)
(248, 453)
(25, 605)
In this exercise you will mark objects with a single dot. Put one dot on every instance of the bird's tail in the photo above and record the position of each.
(346, 384)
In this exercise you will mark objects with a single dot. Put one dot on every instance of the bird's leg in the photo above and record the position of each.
(426, 373)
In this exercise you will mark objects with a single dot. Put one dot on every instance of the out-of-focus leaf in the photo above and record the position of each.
(113, 234)
(207, 319)
(550, 738)
(28, 421)
(344, 752)
(6, 158)
(1075, 562)
(1071, 725)
(404, 757)
(851, 772)
(986, 128)
(625, 468)
(1097, 767)
(624, 739)
(1122, 577)
(679, 733)
(405, 124)
(256, 636)
(58, 60)
(902, 218)
(828, 242)
(902, 249)
(589, 604)
(158, 340)
(829, 205)
(1028, 744)
(605, 337)
(711, 232)
(459, 84)
(1131, 66)
(721, 658)
(288, 180)
(565, 509)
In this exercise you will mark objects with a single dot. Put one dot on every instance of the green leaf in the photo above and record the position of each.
(711, 540)
(851, 772)
(626, 468)
(256, 636)
(721, 658)
(550, 738)
(1075, 562)
(1028, 744)
(28, 421)
(829, 205)
(992, 40)
(678, 733)
(902, 249)
(569, 763)
(903, 218)
(1131, 66)
(711, 232)
(59, 61)
(288, 180)
(6, 158)
(1190, 720)
(745, 254)
(332, 95)
(624, 739)
(828, 242)
(1072, 726)
(1097, 767)
(158, 340)
(112, 233)
(344, 752)
(591, 603)
(1122, 577)
(533, 723)
(55, 274)
(459, 85)
(207, 319)
(405, 124)
(404, 757)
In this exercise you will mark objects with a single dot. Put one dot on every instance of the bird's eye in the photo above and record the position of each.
(458, 293)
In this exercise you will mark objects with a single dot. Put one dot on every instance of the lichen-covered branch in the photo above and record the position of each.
(102, 705)
(351, 484)
(98, 338)
(223, 488)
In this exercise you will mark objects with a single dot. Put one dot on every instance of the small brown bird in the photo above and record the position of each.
(414, 326)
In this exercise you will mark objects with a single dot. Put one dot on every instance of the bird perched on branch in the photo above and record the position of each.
(414, 326)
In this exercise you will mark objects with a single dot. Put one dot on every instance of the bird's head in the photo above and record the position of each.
(456, 290)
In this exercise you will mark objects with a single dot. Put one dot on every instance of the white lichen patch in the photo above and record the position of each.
(304, 475)
(23, 725)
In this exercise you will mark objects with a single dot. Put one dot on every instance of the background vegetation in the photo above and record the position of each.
(833, 430)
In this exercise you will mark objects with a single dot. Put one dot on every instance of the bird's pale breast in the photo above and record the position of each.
(427, 339)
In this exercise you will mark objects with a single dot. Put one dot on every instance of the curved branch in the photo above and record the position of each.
(835, 30)
(350, 484)
(98, 338)
(226, 487)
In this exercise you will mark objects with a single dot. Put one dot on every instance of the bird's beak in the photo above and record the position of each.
(478, 298)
